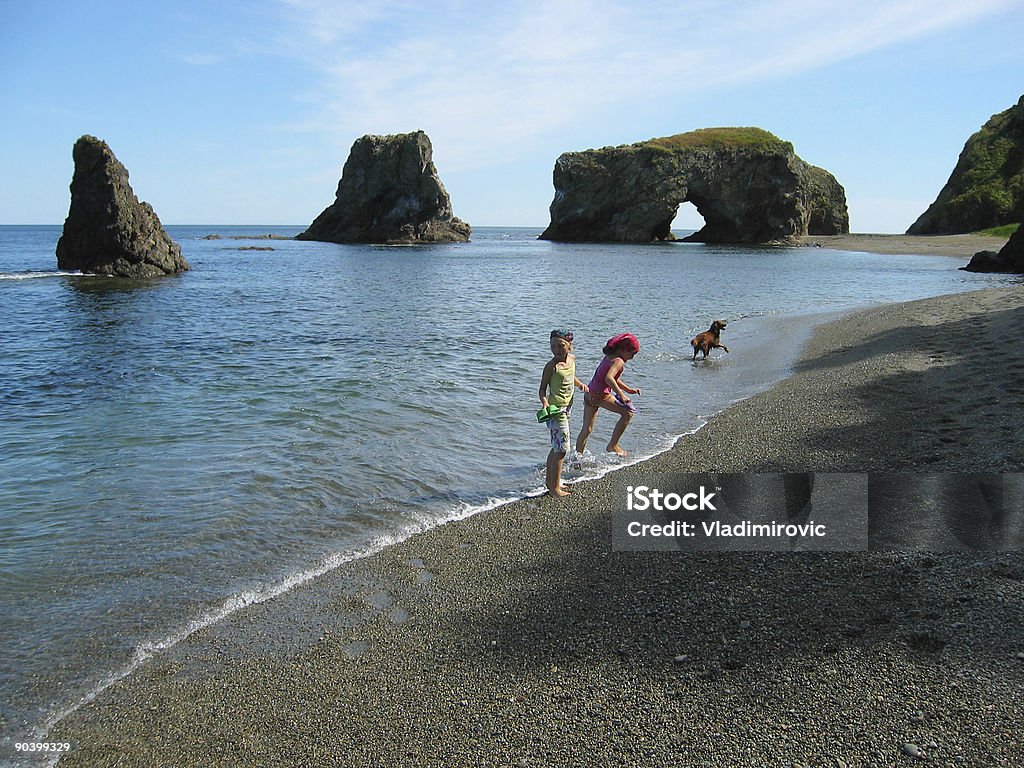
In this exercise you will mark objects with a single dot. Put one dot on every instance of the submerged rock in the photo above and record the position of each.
(389, 192)
(986, 188)
(108, 231)
(749, 186)
(1010, 257)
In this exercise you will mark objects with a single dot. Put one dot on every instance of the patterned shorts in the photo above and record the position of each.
(559, 426)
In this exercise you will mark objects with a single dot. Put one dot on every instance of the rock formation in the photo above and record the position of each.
(749, 186)
(108, 231)
(389, 192)
(986, 188)
(1010, 257)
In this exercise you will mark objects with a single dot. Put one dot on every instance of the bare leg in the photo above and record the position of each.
(589, 417)
(554, 475)
(620, 427)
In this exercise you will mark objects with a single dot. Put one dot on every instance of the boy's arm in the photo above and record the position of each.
(575, 379)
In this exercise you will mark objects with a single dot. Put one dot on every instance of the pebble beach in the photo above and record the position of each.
(517, 637)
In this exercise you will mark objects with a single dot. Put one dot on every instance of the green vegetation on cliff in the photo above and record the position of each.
(721, 138)
(986, 188)
(989, 157)
(1004, 231)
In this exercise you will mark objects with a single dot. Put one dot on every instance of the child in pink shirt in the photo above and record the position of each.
(607, 391)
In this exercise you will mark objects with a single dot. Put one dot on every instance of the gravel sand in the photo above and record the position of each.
(931, 245)
(518, 638)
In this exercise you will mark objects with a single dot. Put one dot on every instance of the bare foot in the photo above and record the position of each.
(558, 492)
(617, 449)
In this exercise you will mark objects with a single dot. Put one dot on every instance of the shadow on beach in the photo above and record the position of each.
(729, 610)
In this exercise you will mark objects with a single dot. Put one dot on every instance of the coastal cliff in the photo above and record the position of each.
(389, 192)
(108, 231)
(986, 188)
(749, 186)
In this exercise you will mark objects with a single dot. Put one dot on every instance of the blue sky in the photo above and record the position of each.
(244, 112)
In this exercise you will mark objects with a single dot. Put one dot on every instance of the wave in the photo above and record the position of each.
(36, 275)
(152, 648)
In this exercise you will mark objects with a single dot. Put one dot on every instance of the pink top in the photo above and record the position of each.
(598, 384)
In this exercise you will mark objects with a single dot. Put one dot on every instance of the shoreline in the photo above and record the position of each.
(964, 246)
(496, 638)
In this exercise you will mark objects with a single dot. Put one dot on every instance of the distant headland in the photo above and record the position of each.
(986, 188)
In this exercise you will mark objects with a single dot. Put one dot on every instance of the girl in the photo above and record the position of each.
(556, 385)
(606, 391)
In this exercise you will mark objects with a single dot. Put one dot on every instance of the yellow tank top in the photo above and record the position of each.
(560, 388)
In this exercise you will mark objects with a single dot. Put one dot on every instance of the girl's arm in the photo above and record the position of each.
(545, 379)
(610, 379)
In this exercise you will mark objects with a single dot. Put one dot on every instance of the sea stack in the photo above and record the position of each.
(748, 184)
(986, 188)
(389, 193)
(108, 231)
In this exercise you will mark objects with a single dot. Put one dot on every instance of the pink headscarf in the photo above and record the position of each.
(627, 340)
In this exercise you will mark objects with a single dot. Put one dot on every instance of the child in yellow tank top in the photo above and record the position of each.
(556, 389)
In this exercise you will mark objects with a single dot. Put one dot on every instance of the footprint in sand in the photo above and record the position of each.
(423, 576)
(356, 649)
(383, 602)
(399, 615)
(380, 600)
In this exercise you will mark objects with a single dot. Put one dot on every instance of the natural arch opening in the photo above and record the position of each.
(687, 220)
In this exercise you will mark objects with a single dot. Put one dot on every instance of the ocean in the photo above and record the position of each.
(175, 449)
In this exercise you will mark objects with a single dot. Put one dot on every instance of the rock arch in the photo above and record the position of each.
(748, 185)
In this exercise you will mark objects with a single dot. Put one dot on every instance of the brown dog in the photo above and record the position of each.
(710, 339)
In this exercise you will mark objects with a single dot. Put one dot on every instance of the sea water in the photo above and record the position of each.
(174, 449)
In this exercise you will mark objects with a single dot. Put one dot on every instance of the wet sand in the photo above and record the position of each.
(518, 638)
(932, 245)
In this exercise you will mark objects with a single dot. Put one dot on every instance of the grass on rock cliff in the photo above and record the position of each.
(1004, 231)
(720, 138)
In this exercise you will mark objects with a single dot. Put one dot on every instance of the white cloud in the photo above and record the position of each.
(484, 79)
(328, 22)
(805, 35)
